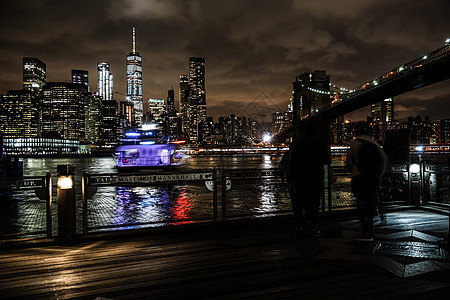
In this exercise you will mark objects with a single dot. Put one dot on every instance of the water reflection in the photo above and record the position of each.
(134, 207)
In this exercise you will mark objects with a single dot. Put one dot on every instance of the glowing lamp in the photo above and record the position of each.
(65, 182)
(414, 168)
(267, 138)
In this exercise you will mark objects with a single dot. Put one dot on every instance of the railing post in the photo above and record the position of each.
(408, 168)
(215, 210)
(422, 182)
(48, 181)
(224, 195)
(84, 201)
(330, 179)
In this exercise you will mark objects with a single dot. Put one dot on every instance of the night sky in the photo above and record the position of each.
(253, 49)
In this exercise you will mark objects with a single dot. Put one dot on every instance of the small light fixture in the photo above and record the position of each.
(65, 182)
(414, 168)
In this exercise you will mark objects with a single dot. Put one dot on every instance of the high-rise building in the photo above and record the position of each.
(126, 115)
(110, 123)
(93, 118)
(104, 81)
(34, 74)
(156, 109)
(382, 111)
(184, 103)
(19, 114)
(63, 107)
(171, 111)
(281, 120)
(197, 97)
(235, 130)
(134, 81)
(81, 77)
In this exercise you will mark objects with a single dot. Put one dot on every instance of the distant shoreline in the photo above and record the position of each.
(68, 155)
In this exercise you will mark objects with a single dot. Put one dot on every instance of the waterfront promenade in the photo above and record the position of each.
(248, 259)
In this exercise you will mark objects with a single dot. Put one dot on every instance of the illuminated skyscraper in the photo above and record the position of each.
(171, 111)
(382, 111)
(19, 114)
(63, 108)
(81, 77)
(184, 102)
(105, 81)
(156, 109)
(34, 74)
(197, 97)
(134, 81)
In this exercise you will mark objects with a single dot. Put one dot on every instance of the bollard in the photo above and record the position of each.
(66, 201)
(415, 172)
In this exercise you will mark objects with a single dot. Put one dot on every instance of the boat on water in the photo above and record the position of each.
(143, 149)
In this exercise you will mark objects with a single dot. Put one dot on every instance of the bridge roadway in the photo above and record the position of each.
(241, 259)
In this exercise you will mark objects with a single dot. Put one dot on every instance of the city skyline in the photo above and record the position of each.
(249, 50)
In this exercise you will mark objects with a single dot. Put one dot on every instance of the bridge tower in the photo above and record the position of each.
(311, 91)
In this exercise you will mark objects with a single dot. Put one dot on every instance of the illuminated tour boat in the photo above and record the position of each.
(143, 149)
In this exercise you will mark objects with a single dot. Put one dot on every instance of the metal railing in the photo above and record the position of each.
(435, 184)
(126, 201)
(148, 199)
(26, 206)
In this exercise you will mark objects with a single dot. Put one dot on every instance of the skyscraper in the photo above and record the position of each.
(171, 111)
(184, 102)
(197, 97)
(63, 107)
(156, 109)
(19, 114)
(105, 81)
(134, 81)
(382, 111)
(34, 74)
(197, 92)
(81, 77)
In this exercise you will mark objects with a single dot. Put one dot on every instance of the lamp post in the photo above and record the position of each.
(66, 201)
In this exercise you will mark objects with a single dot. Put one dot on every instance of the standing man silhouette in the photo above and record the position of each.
(308, 158)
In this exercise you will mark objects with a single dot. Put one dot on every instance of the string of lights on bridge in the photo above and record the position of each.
(377, 81)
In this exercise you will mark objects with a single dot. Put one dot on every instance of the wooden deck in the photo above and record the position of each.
(259, 259)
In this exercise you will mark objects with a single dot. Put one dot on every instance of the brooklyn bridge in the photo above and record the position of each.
(423, 71)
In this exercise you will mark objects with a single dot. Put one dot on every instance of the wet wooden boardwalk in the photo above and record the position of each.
(241, 260)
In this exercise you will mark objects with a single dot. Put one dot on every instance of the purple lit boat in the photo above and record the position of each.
(140, 151)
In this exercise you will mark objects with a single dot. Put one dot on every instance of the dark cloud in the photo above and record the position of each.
(252, 48)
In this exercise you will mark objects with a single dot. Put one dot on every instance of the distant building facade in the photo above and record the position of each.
(382, 111)
(81, 77)
(197, 98)
(19, 114)
(184, 102)
(63, 111)
(105, 81)
(34, 74)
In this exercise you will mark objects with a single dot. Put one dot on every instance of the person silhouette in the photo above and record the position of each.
(308, 158)
(367, 162)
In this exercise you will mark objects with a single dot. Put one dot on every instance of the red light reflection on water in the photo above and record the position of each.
(180, 209)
